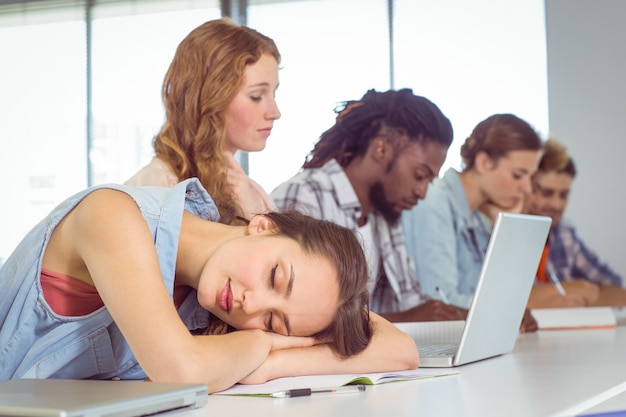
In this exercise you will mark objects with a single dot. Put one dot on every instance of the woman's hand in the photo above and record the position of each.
(249, 195)
(389, 350)
(279, 342)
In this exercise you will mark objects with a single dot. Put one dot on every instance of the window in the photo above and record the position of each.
(42, 107)
(472, 58)
(332, 51)
(131, 54)
(44, 97)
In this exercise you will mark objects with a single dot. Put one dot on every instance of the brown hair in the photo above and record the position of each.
(203, 78)
(498, 135)
(555, 158)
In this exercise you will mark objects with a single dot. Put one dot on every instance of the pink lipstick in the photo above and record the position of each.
(225, 299)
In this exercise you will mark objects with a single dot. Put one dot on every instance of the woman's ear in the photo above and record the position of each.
(260, 223)
(483, 162)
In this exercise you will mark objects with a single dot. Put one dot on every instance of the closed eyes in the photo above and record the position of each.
(272, 282)
(273, 276)
(287, 292)
(269, 322)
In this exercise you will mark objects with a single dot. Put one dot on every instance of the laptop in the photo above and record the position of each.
(96, 398)
(498, 306)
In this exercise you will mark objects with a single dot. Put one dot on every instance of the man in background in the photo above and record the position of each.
(569, 273)
(375, 161)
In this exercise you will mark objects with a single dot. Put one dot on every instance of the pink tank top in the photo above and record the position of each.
(68, 296)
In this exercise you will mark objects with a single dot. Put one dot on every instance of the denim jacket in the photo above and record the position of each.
(35, 342)
(447, 242)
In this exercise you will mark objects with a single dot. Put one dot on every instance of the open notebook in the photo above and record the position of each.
(90, 398)
(499, 302)
(330, 381)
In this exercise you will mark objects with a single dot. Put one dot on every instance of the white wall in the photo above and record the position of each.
(587, 104)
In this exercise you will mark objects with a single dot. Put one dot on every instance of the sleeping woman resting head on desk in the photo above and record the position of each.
(134, 282)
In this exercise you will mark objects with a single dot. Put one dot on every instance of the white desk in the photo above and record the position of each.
(550, 373)
(615, 403)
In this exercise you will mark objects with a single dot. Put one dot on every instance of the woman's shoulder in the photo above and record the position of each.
(197, 199)
(156, 173)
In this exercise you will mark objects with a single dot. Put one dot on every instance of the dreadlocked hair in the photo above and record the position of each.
(358, 122)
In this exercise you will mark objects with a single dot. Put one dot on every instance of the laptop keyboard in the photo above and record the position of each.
(438, 350)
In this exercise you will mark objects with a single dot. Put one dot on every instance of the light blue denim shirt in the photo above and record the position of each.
(35, 342)
(448, 244)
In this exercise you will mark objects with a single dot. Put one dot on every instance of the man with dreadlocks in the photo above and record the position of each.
(376, 161)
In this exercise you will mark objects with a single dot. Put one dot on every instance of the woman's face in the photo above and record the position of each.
(267, 282)
(251, 114)
(507, 181)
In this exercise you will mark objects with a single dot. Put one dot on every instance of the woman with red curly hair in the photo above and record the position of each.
(219, 98)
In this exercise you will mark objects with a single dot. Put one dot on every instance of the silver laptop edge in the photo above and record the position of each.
(500, 299)
(91, 398)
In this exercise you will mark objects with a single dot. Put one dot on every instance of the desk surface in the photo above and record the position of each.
(549, 373)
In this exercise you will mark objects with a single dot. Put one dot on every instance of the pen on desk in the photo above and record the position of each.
(557, 284)
(442, 295)
(305, 392)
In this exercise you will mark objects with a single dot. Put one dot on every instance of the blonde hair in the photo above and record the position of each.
(203, 78)
(556, 158)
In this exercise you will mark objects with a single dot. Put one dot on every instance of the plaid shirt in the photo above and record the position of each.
(326, 193)
(570, 259)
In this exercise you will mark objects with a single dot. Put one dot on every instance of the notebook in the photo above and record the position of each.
(330, 382)
(498, 306)
(91, 398)
(575, 318)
